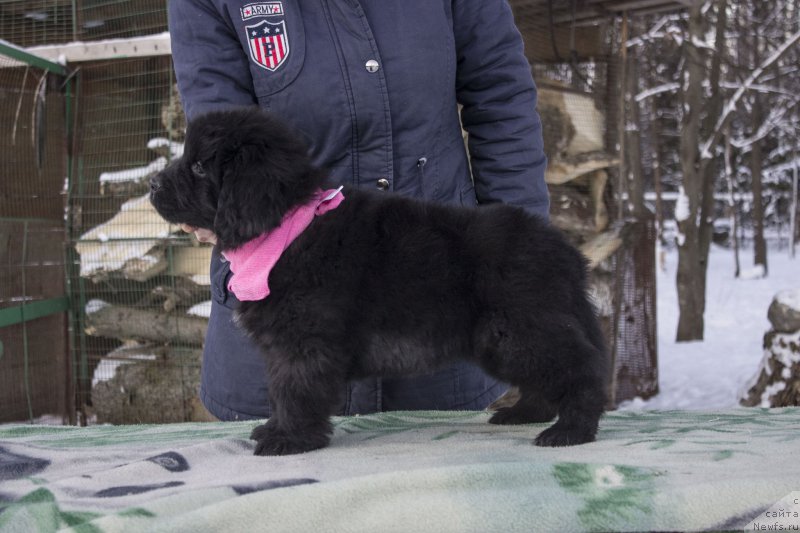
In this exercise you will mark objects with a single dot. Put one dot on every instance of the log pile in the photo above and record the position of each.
(580, 197)
(577, 178)
(156, 389)
(577, 167)
(148, 278)
(777, 381)
(124, 322)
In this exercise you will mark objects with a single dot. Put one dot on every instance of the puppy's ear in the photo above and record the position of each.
(264, 171)
(247, 205)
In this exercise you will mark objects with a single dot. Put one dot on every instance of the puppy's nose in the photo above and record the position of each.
(155, 183)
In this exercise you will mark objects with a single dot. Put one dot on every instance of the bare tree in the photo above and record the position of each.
(756, 152)
(737, 95)
(695, 223)
(793, 222)
(706, 120)
(632, 130)
(732, 211)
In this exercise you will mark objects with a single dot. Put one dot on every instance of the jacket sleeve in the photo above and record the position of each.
(210, 66)
(496, 89)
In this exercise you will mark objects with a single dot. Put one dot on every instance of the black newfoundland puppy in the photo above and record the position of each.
(385, 285)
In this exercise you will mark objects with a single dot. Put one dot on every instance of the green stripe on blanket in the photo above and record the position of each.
(404, 471)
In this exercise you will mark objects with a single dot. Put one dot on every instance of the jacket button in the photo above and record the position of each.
(383, 184)
(372, 66)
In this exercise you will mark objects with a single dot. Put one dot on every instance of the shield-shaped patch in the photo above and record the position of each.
(269, 44)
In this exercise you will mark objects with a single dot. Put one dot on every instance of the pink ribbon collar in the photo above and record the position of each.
(252, 262)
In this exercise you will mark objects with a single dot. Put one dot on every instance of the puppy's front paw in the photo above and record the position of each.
(273, 441)
(564, 436)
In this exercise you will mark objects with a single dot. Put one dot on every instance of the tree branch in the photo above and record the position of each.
(730, 107)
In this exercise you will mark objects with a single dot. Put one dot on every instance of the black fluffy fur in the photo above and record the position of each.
(385, 285)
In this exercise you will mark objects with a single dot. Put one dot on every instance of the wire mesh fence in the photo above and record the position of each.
(35, 377)
(39, 22)
(131, 277)
(34, 368)
(138, 281)
(633, 332)
(578, 62)
(139, 289)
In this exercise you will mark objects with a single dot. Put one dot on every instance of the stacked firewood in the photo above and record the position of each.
(149, 290)
(580, 196)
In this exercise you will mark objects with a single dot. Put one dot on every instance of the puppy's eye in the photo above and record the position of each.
(197, 169)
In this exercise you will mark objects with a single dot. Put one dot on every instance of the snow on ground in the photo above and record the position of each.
(711, 374)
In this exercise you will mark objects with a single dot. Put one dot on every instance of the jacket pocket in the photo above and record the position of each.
(468, 198)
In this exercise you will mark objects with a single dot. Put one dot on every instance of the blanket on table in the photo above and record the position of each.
(404, 471)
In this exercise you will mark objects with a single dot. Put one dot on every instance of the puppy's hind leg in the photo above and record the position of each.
(557, 365)
(579, 390)
(583, 362)
(532, 407)
(503, 347)
(579, 414)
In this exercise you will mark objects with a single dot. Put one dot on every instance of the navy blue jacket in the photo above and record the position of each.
(374, 85)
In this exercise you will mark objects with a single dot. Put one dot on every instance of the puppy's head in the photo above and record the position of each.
(240, 172)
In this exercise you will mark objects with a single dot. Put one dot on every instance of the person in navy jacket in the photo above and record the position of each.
(375, 87)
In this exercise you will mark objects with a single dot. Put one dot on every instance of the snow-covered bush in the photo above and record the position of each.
(777, 382)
